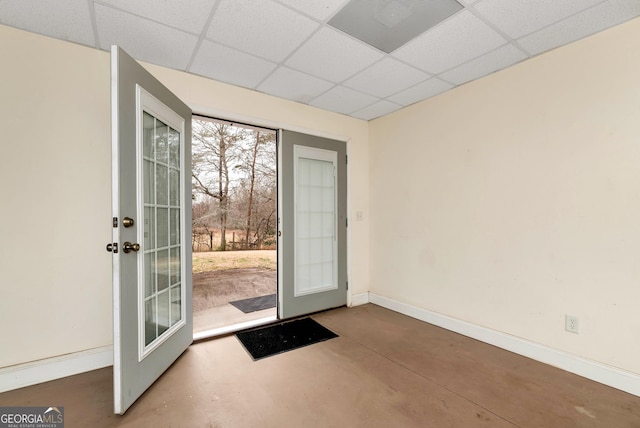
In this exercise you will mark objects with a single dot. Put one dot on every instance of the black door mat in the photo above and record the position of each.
(276, 339)
(253, 304)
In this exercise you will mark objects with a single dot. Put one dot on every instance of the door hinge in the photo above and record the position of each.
(346, 220)
(115, 222)
(346, 158)
(347, 285)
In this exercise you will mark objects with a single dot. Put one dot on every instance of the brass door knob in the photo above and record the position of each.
(127, 247)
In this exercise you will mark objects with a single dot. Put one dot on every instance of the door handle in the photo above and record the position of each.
(127, 247)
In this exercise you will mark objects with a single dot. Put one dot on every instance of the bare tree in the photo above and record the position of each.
(252, 180)
(236, 167)
(258, 185)
(214, 150)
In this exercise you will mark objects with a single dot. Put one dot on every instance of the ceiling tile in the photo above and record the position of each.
(488, 63)
(427, 89)
(455, 41)
(386, 77)
(228, 65)
(63, 19)
(294, 85)
(263, 28)
(320, 10)
(519, 17)
(598, 18)
(333, 56)
(143, 39)
(376, 110)
(343, 100)
(191, 19)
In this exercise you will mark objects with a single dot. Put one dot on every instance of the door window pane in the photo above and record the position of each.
(150, 330)
(174, 227)
(176, 304)
(174, 187)
(149, 181)
(174, 148)
(175, 266)
(162, 318)
(149, 228)
(149, 274)
(148, 135)
(162, 230)
(162, 149)
(162, 185)
(162, 266)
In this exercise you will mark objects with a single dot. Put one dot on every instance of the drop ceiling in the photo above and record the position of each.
(287, 48)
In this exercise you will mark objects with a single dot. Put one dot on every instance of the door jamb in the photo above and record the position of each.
(199, 110)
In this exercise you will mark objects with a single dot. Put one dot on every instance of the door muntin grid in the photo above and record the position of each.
(315, 221)
(161, 259)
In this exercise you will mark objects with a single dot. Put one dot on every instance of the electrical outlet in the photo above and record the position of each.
(571, 324)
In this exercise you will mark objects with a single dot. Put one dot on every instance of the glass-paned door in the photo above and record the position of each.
(312, 221)
(151, 205)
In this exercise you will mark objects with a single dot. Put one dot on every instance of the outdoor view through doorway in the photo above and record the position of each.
(234, 182)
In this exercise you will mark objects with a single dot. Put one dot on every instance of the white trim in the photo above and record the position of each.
(40, 371)
(359, 299)
(602, 373)
(147, 103)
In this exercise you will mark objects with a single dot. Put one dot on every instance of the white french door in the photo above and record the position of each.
(151, 203)
(312, 226)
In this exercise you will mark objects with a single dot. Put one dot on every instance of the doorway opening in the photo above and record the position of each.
(234, 225)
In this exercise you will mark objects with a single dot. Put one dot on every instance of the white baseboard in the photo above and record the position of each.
(602, 373)
(35, 372)
(359, 299)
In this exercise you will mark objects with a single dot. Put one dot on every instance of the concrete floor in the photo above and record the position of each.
(385, 370)
(226, 315)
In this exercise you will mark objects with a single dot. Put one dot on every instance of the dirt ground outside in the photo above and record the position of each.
(223, 277)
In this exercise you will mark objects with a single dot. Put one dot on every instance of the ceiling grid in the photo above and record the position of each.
(290, 49)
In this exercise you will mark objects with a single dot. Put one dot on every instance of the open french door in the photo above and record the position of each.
(151, 200)
(312, 224)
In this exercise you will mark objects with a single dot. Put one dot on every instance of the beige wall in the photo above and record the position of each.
(55, 187)
(55, 181)
(514, 200)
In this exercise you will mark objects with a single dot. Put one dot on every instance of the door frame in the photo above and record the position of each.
(232, 328)
(200, 110)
